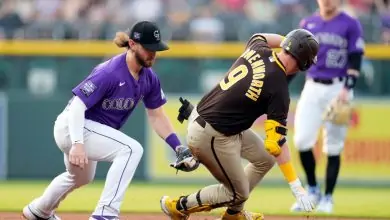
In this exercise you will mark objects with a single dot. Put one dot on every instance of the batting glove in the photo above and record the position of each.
(185, 161)
(301, 196)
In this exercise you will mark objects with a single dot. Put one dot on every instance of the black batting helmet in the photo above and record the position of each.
(303, 46)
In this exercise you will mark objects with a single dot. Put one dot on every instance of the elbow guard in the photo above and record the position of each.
(275, 136)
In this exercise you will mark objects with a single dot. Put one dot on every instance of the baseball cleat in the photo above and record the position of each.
(243, 215)
(314, 195)
(30, 215)
(103, 217)
(325, 205)
(168, 206)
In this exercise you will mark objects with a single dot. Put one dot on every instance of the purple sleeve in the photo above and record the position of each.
(355, 37)
(302, 24)
(155, 98)
(93, 89)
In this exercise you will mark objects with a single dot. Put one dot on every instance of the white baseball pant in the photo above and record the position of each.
(101, 143)
(313, 101)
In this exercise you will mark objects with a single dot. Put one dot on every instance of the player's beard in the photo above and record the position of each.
(141, 61)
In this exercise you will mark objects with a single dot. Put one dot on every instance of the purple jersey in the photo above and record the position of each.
(111, 93)
(337, 38)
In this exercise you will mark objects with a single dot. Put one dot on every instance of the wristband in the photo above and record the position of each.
(173, 141)
(350, 81)
(288, 172)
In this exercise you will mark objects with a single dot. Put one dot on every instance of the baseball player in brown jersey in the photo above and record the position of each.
(219, 133)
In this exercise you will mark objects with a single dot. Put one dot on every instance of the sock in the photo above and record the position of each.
(332, 173)
(232, 212)
(309, 165)
(181, 203)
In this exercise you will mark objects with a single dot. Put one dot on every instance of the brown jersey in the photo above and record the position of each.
(256, 84)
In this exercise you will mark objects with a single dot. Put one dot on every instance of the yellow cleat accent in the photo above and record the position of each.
(243, 215)
(168, 206)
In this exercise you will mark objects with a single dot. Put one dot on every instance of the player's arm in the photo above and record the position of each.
(276, 132)
(86, 95)
(76, 119)
(273, 40)
(355, 53)
(276, 144)
(163, 126)
(159, 121)
(76, 112)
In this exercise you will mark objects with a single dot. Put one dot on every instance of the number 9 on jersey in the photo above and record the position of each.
(234, 76)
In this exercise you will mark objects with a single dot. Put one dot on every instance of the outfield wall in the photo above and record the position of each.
(32, 152)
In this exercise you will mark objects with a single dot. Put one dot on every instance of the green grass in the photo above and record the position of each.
(144, 197)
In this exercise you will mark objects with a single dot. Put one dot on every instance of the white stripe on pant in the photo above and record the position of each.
(102, 143)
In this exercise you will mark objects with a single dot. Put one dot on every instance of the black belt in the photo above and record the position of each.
(201, 121)
(328, 81)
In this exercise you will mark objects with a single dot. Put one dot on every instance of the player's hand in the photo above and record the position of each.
(301, 196)
(344, 95)
(77, 156)
(185, 161)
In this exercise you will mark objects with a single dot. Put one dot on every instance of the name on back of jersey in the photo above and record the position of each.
(258, 68)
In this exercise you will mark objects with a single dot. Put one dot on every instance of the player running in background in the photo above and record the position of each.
(219, 131)
(87, 131)
(333, 77)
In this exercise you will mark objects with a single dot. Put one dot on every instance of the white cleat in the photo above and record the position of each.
(30, 215)
(325, 205)
(314, 195)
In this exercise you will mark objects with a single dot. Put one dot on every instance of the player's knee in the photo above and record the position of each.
(265, 164)
(137, 148)
(241, 197)
(132, 149)
(241, 194)
(80, 180)
(83, 181)
(303, 143)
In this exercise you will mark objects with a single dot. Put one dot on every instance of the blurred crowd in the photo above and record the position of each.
(197, 20)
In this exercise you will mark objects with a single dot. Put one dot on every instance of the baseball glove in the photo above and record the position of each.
(339, 112)
(185, 161)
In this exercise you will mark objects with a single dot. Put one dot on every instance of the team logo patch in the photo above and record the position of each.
(360, 43)
(88, 88)
(156, 35)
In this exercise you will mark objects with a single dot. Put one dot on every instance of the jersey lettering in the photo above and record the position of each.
(256, 85)
(234, 76)
(238, 73)
(118, 104)
(336, 58)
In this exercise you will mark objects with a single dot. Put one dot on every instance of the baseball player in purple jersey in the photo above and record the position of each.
(87, 131)
(332, 78)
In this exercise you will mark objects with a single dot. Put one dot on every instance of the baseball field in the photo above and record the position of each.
(142, 201)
